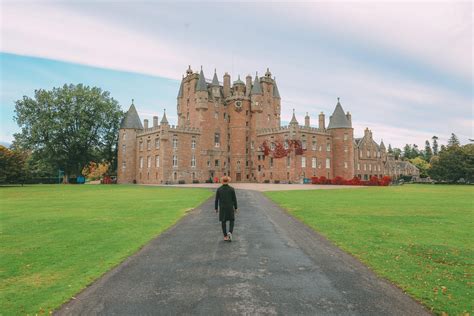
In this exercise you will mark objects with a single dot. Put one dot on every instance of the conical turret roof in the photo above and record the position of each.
(256, 88)
(293, 119)
(180, 92)
(131, 119)
(238, 81)
(215, 80)
(382, 145)
(338, 118)
(164, 120)
(276, 93)
(201, 84)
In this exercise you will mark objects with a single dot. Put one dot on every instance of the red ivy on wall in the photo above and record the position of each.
(280, 151)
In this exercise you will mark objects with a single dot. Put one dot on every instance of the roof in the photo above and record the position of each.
(293, 118)
(256, 88)
(276, 93)
(164, 120)
(201, 84)
(338, 118)
(180, 92)
(238, 81)
(215, 81)
(131, 119)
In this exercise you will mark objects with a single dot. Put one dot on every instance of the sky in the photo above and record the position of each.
(403, 69)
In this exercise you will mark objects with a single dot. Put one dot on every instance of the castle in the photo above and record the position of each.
(234, 129)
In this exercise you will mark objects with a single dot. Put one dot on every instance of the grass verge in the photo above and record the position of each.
(57, 239)
(417, 236)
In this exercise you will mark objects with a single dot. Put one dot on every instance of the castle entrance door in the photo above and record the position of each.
(238, 177)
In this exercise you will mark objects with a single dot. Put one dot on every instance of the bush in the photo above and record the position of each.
(314, 180)
(337, 181)
(374, 181)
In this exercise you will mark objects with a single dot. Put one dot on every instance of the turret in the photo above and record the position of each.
(226, 85)
(145, 124)
(306, 120)
(164, 126)
(155, 121)
(202, 95)
(127, 146)
(216, 89)
(322, 121)
(238, 87)
(293, 121)
(342, 143)
(256, 96)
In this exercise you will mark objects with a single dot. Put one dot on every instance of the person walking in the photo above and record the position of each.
(226, 204)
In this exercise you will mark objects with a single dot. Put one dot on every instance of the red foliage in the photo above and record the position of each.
(337, 180)
(385, 181)
(314, 180)
(280, 151)
(374, 181)
(322, 180)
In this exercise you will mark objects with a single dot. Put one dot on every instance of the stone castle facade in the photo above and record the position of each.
(234, 129)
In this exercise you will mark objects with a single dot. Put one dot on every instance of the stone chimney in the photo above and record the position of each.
(155, 121)
(322, 124)
(306, 120)
(349, 117)
(248, 85)
(145, 123)
(226, 85)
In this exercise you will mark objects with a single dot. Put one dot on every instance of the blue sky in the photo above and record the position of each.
(402, 69)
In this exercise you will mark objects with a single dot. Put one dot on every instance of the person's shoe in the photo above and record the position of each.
(229, 236)
(226, 238)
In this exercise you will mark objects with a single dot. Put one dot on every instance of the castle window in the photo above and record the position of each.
(268, 117)
(247, 112)
(370, 167)
(288, 161)
(216, 115)
(328, 147)
(246, 123)
(148, 144)
(123, 149)
(303, 162)
(346, 149)
(314, 147)
(175, 161)
(157, 161)
(217, 139)
(320, 148)
(378, 154)
(123, 165)
(193, 161)
(303, 144)
(175, 143)
(175, 176)
(141, 162)
(208, 163)
(148, 162)
(365, 167)
(328, 163)
(346, 136)
(216, 163)
(251, 145)
(272, 146)
(271, 162)
(319, 165)
(358, 166)
(124, 136)
(157, 143)
(187, 116)
(313, 163)
(193, 144)
(285, 144)
(246, 163)
(345, 164)
(140, 146)
(360, 153)
(368, 153)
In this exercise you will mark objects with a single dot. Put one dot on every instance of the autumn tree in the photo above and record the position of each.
(68, 127)
(12, 166)
(422, 165)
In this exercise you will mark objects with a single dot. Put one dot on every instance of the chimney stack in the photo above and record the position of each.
(155, 121)
(145, 123)
(248, 85)
(306, 120)
(322, 123)
(226, 85)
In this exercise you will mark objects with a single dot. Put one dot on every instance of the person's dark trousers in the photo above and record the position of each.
(224, 227)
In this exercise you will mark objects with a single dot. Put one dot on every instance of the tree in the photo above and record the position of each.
(12, 166)
(453, 163)
(435, 145)
(453, 140)
(427, 153)
(397, 152)
(68, 127)
(390, 150)
(422, 165)
(407, 152)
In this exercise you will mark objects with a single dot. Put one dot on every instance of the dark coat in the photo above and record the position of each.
(227, 202)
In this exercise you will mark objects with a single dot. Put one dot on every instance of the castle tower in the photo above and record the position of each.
(306, 120)
(322, 121)
(342, 160)
(248, 85)
(216, 90)
(256, 95)
(127, 146)
(202, 96)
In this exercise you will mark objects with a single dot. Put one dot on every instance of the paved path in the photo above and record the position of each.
(274, 266)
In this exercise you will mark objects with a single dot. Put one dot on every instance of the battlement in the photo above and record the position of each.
(288, 128)
(172, 129)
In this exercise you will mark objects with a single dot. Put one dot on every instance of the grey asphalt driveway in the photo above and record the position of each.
(274, 266)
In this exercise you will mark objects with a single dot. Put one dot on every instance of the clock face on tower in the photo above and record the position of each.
(238, 106)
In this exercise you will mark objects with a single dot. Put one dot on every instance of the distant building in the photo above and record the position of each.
(235, 130)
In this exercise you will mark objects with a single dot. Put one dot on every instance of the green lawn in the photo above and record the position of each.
(418, 236)
(57, 239)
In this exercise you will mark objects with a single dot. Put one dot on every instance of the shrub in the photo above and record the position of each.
(337, 180)
(385, 181)
(314, 180)
(374, 181)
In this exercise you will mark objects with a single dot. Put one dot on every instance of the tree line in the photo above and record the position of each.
(451, 163)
